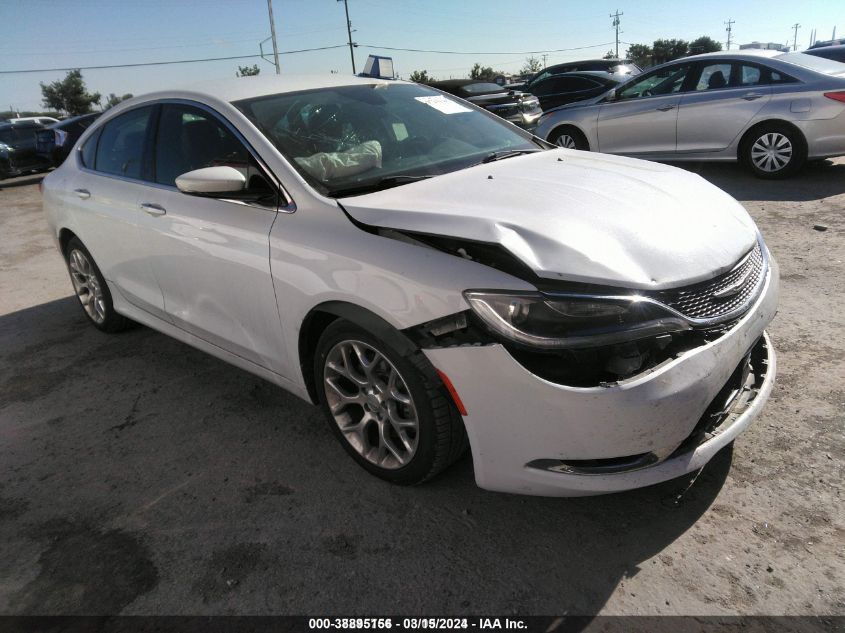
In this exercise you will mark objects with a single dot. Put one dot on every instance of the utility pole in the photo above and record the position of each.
(273, 35)
(615, 17)
(349, 32)
(544, 60)
(729, 24)
(795, 26)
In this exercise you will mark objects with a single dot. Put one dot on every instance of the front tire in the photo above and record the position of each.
(569, 137)
(773, 151)
(390, 411)
(91, 289)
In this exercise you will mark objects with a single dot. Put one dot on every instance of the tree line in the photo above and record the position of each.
(71, 96)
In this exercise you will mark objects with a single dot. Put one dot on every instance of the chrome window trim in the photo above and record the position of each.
(289, 205)
(728, 316)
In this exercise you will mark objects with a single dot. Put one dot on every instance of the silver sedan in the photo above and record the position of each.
(770, 111)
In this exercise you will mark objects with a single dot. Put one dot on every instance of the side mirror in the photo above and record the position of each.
(611, 96)
(212, 181)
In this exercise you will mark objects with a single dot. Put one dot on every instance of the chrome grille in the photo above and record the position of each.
(718, 297)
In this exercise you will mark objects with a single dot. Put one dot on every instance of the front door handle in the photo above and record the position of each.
(82, 193)
(752, 95)
(152, 209)
(666, 108)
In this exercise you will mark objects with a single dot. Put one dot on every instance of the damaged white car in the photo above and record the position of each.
(431, 276)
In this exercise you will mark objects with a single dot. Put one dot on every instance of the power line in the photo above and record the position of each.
(291, 52)
(164, 63)
(539, 52)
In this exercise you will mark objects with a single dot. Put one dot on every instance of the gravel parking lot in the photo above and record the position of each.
(140, 476)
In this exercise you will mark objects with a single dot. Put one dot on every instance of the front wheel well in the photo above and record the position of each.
(574, 130)
(323, 315)
(65, 236)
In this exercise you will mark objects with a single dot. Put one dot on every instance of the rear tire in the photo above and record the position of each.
(91, 289)
(569, 137)
(773, 151)
(390, 411)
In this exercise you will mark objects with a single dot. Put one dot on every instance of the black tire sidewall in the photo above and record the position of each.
(113, 321)
(423, 460)
(577, 136)
(799, 151)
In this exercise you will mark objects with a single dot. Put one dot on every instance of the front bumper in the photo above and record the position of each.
(517, 420)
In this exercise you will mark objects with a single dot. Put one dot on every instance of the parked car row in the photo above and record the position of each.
(17, 149)
(769, 110)
(517, 107)
(30, 144)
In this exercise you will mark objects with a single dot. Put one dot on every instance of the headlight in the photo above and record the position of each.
(529, 104)
(572, 321)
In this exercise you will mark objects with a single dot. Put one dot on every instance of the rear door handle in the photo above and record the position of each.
(666, 108)
(752, 95)
(82, 193)
(152, 209)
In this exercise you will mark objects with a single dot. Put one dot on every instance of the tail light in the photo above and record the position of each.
(836, 96)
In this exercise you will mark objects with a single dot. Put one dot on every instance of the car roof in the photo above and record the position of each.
(746, 53)
(74, 119)
(818, 49)
(237, 88)
(22, 124)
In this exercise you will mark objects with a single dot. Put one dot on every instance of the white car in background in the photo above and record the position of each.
(430, 276)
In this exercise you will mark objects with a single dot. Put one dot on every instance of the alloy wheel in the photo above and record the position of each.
(566, 141)
(87, 285)
(371, 404)
(771, 152)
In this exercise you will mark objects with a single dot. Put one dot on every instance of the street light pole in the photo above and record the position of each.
(349, 32)
(273, 36)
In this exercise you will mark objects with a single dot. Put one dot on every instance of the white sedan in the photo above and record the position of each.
(431, 276)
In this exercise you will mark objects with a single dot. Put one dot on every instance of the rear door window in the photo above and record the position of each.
(120, 150)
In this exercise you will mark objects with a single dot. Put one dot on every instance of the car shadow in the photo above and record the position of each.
(816, 180)
(21, 181)
(201, 489)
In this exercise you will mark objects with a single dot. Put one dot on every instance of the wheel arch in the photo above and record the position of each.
(568, 124)
(65, 236)
(746, 136)
(323, 315)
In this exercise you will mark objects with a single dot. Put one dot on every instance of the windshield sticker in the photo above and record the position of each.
(446, 106)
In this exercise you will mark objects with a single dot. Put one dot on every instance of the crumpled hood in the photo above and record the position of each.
(578, 216)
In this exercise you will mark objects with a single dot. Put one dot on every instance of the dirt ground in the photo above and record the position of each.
(140, 476)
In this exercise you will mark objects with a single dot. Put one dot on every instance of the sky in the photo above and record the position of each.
(39, 34)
